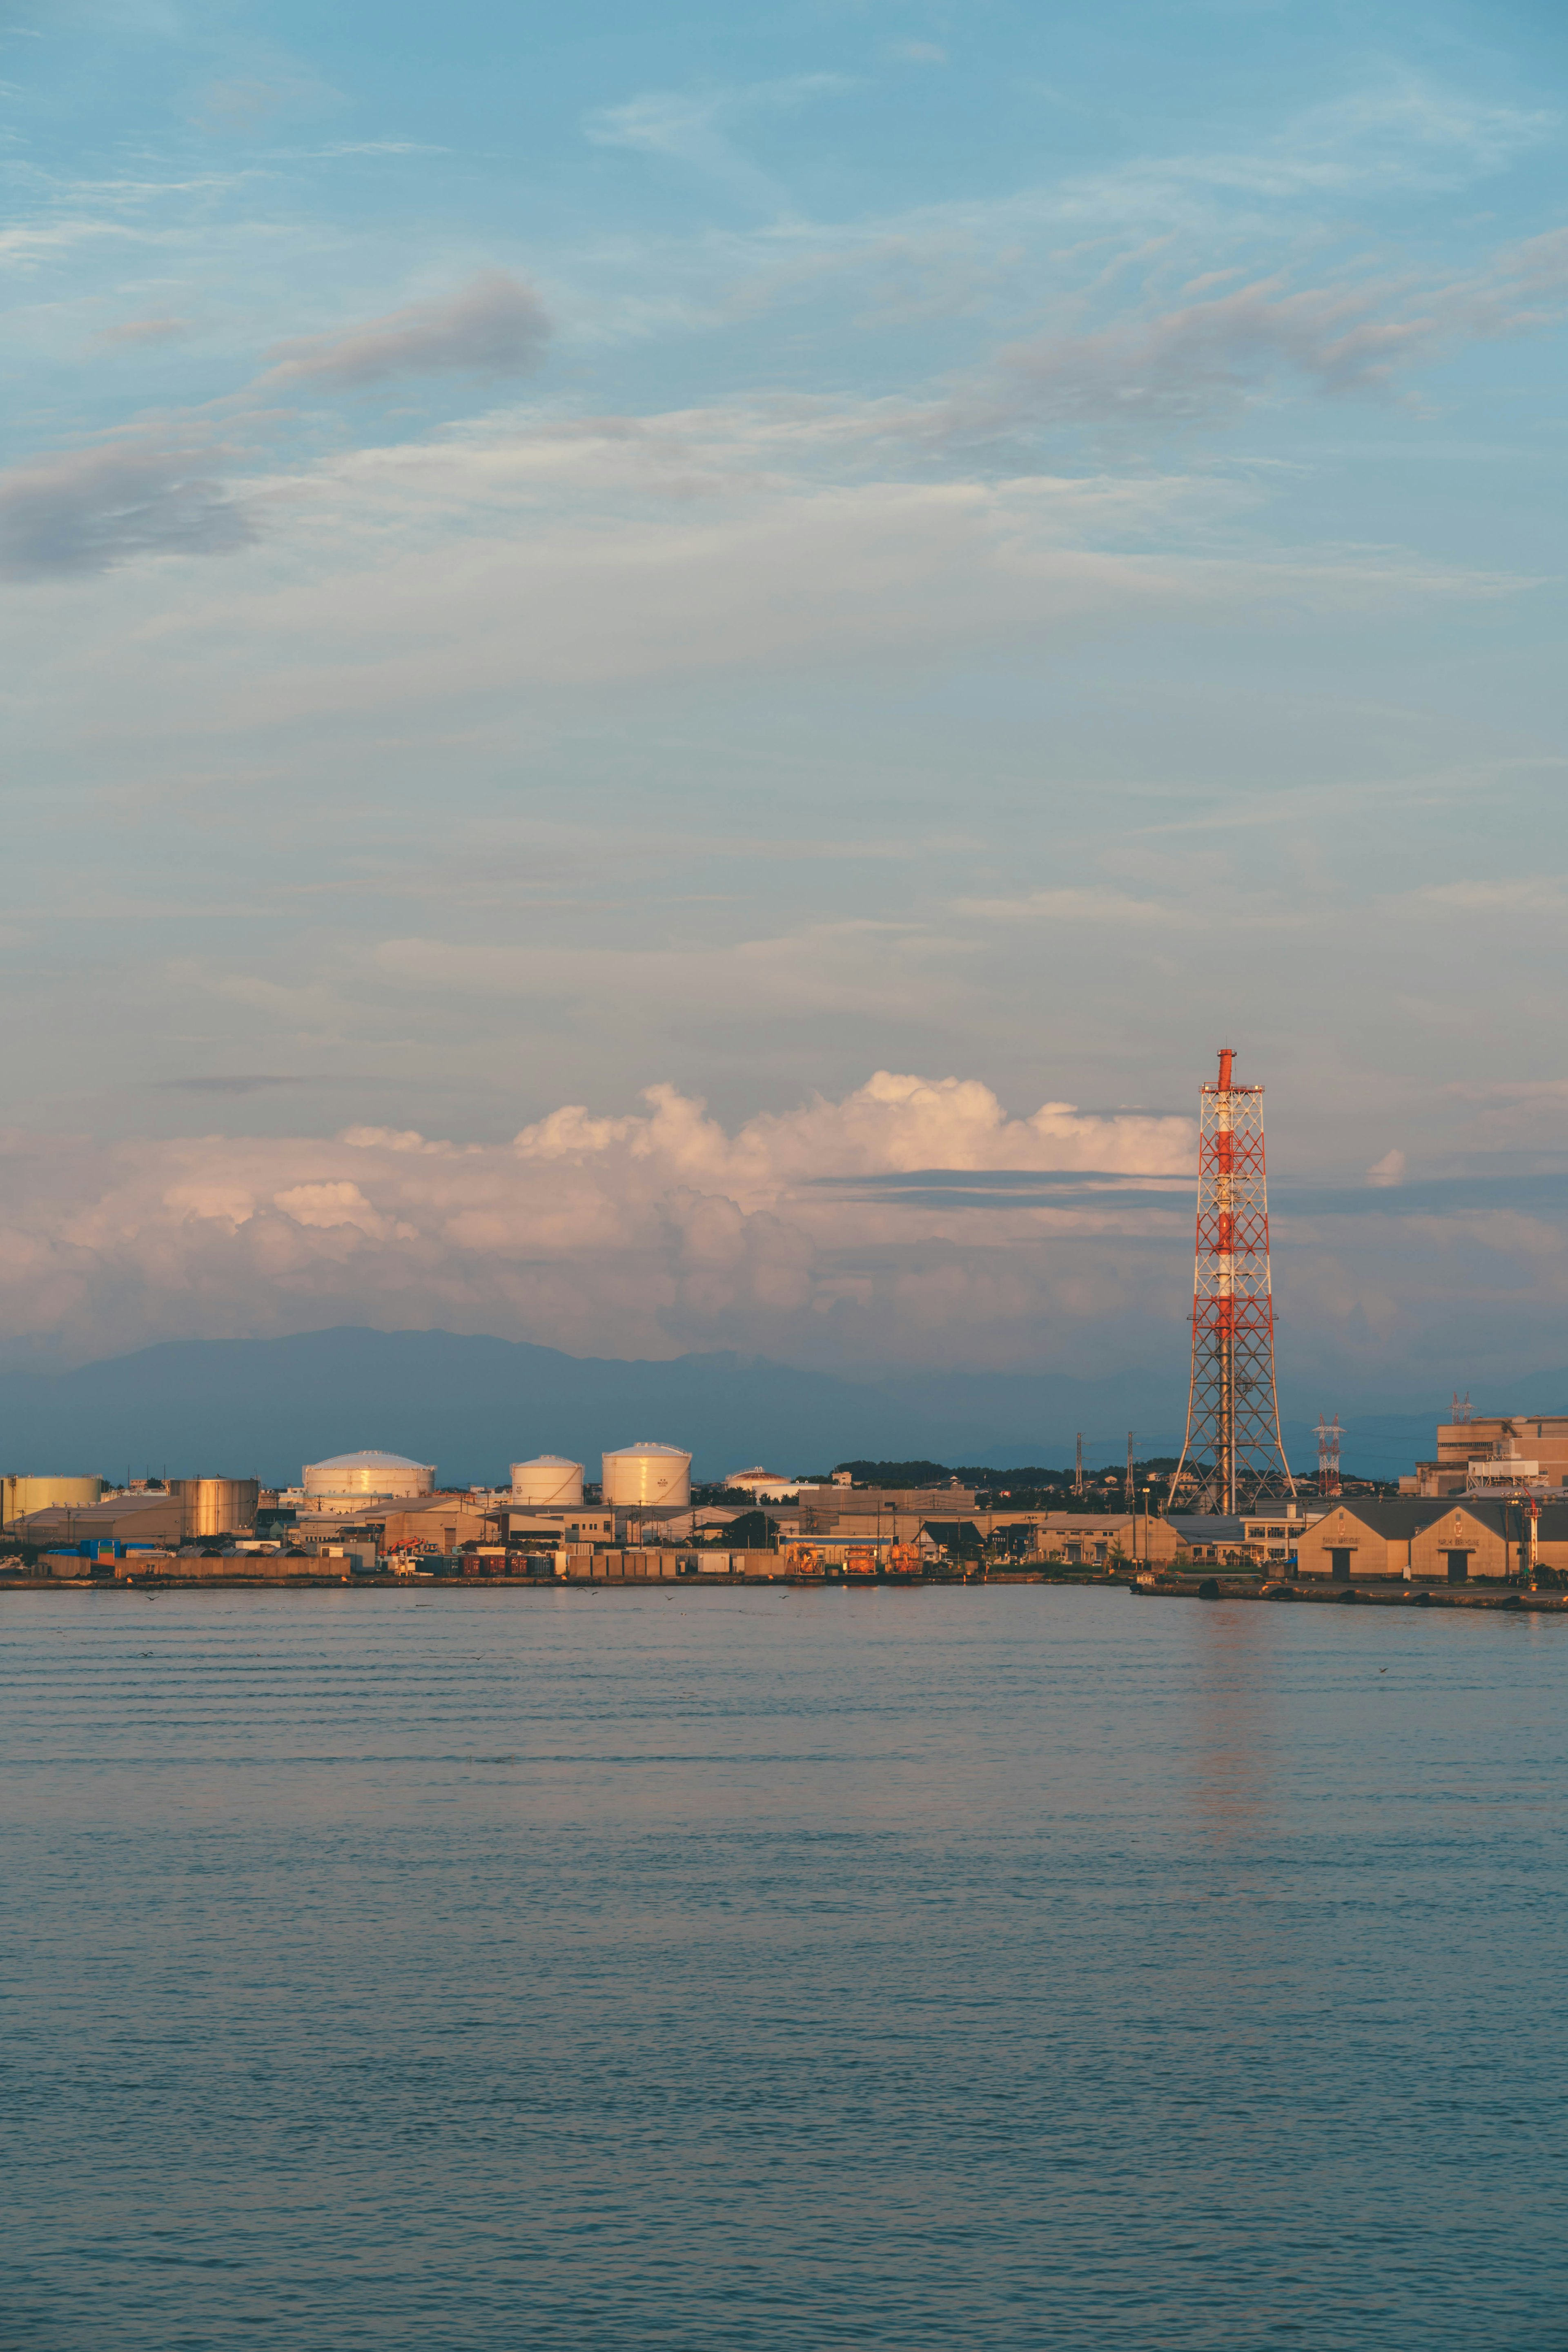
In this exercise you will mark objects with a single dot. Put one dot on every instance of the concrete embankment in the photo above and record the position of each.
(1386, 1596)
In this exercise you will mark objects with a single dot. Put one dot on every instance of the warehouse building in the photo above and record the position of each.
(1427, 1539)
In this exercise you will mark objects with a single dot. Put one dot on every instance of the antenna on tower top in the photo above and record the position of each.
(1233, 1405)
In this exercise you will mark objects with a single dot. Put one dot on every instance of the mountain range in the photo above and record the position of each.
(261, 1408)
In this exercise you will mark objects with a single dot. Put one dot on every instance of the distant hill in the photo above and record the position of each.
(262, 1407)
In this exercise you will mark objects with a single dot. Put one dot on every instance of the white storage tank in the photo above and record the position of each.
(22, 1493)
(361, 1477)
(548, 1483)
(216, 1507)
(648, 1476)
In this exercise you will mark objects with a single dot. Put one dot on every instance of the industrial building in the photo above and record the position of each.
(1500, 1451)
(1431, 1539)
(586, 1524)
(878, 1513)
(185, 1510)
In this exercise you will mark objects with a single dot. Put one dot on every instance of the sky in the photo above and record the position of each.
(668, 673)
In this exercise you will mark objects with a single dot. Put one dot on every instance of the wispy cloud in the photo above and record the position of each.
(98, 507)
(1402, 134)
(497, 326)
(1202, 360)
(694, 127)
(143, 330)
(254, 1085)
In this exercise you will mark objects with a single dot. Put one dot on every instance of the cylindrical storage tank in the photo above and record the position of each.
(648, 1475)
(548, 1483)
(24, 1493)
(361, 1477)
(215, 1507)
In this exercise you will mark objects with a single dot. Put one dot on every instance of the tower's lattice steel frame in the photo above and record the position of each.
(1233, 1441)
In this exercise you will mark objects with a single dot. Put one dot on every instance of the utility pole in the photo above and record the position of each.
(1130, 1503)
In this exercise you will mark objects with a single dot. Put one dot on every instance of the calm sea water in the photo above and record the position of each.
(489, 1972)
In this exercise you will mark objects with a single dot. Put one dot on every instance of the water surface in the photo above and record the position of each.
(495, 1972)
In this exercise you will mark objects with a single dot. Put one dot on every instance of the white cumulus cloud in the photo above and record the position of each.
(645, 1234)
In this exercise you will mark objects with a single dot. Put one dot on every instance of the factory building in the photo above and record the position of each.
(153, 1520)
(864, 1514)
(345, 1479)
(648, 1477)
(1525, 1450)
(586, 1524)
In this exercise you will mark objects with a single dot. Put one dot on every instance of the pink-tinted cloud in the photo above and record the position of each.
(641, 1235)
(498, 326)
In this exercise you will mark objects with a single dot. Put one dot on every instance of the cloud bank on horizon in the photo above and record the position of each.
(545, 561)
(912, 1224)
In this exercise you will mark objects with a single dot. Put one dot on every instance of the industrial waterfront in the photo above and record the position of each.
(1490, 1507)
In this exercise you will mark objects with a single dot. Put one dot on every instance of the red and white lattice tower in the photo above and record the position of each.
(1233, 1439)
(1327, 1435)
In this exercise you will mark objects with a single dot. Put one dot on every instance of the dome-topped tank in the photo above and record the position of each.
(649, 1476)
(548, 1483)
(357, 1477)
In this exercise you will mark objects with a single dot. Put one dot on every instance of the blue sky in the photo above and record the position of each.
(735, 550)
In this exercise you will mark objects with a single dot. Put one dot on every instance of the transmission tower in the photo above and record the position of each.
(1461, 1405)
(1077, 1466)
(1327, 1435)
(1233, 1408)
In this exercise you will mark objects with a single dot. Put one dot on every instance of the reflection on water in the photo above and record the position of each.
(1233, 1717)
(773, 1971)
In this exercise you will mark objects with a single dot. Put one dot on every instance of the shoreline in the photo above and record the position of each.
(1394, 1595)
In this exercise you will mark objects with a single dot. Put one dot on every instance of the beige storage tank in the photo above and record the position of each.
(648, 1476)
(548, 1483)
(364, 1477)
(24, 1493)
(215, 1507)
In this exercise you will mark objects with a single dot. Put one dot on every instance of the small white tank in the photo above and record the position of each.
(648, 1476)
(548, 1483)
